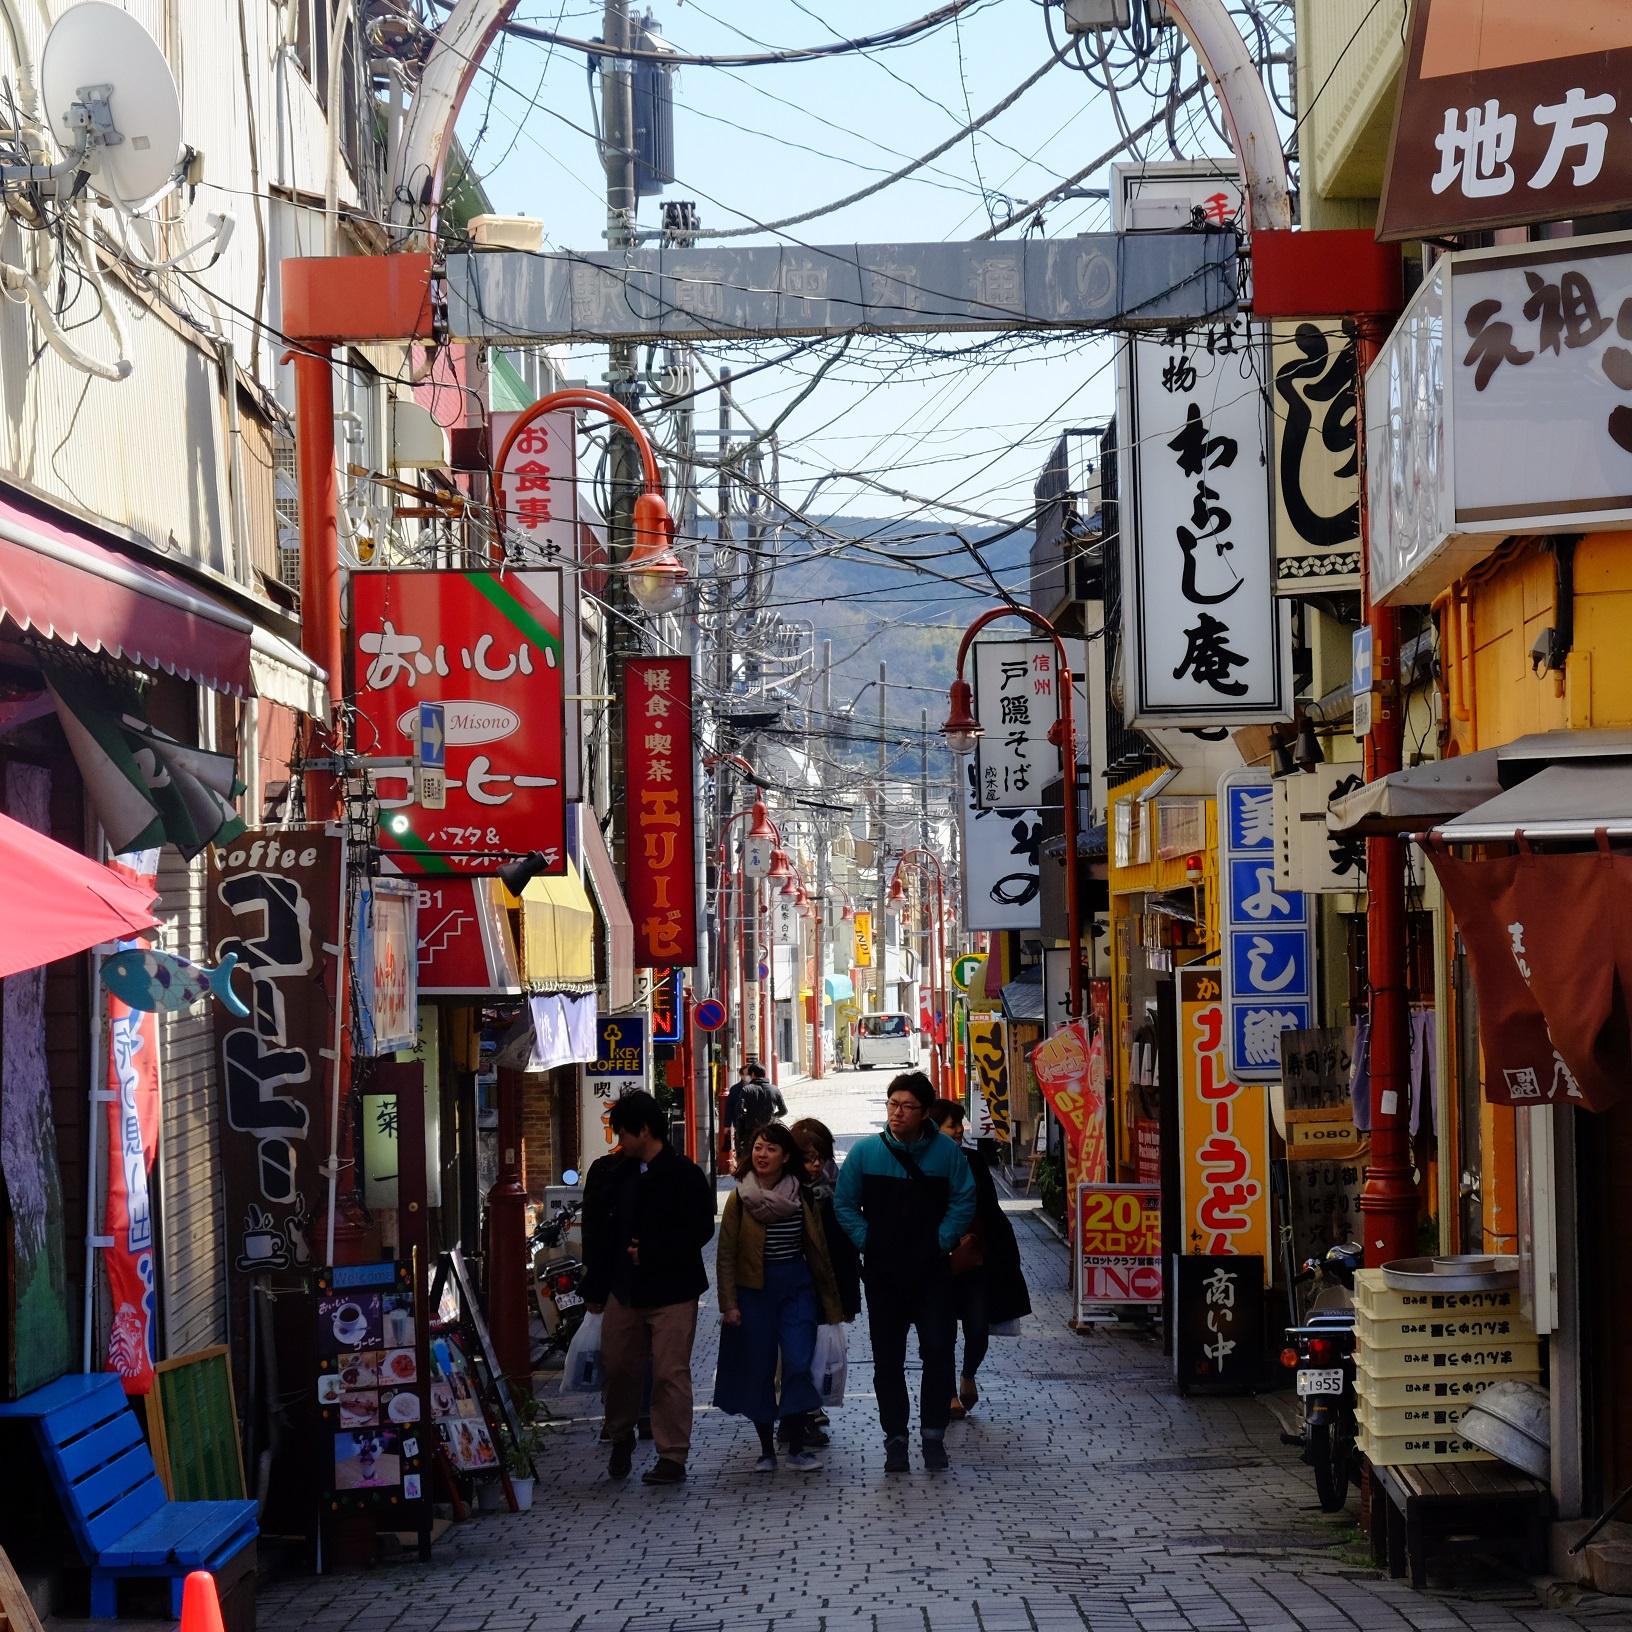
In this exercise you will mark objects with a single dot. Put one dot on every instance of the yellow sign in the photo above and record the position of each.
(864, 940)
(991, 1079)
(968, 969)
(1223, 1134)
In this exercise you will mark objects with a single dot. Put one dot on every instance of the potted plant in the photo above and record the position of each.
(518, 1462)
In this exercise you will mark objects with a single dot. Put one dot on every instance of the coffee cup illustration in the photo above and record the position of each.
(350, 1324)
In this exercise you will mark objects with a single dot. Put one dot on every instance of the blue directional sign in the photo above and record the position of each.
(1268, 933)
(431, 757)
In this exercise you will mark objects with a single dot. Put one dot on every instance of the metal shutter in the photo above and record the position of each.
(192, 1266)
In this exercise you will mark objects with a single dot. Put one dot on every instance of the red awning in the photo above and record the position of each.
(67, 586)
(59, 902)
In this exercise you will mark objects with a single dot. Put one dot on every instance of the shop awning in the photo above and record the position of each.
(839, 988)
(285, 674)
(1417, 798)
(557, 935)
(1568, 801)
(1023, 998)
(66, 586)
(619, 926)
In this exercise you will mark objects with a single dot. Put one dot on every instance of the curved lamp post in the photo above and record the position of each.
(963, 730)
(656, 575)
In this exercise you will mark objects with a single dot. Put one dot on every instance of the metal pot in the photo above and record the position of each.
(1512, 1420)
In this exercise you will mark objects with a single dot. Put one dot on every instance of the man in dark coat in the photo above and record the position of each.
(987, 1281)
(645, 1225)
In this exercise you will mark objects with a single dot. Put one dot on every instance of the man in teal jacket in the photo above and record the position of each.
(906, 1197)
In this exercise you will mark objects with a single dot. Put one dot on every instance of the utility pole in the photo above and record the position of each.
(824, 879)
(880, 948)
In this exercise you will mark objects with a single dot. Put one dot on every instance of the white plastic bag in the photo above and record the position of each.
(829, 1364)
(583, 1373)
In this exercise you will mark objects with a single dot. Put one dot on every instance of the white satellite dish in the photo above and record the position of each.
(103, 78)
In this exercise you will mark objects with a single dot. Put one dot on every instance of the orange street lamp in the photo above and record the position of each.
(963, 730)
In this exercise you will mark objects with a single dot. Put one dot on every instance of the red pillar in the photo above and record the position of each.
(1388, 1201)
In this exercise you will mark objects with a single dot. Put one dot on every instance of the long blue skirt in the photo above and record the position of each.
(778, 1321)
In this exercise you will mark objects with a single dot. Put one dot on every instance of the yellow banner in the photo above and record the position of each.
(864, 940)
(1223, 1134)
(991, 1079)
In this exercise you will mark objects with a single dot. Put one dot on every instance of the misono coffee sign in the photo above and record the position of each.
(1510, 112)
(489, 647)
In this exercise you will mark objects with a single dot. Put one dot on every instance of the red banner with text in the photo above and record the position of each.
(660, 867)
(133, 1139)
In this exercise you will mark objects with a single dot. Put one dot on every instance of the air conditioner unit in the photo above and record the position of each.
(417, 441)
(507, 232)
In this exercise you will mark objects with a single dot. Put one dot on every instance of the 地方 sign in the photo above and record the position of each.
(488, 647)
(1223, 1131)
(1507, 115)
(660, 863)
(1216, 652)
(862, 925)
(1267, 933)
(1017, 702)
(1119, 1244)
(274, 898)
(1002, 862)
(1316, 480)
(1152, 281)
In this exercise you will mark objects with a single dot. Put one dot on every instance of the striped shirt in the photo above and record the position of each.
(785, 1240)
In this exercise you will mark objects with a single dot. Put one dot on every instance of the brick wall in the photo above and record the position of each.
(540, 1130)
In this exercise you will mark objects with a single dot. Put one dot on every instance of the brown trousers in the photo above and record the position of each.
(628, 1337)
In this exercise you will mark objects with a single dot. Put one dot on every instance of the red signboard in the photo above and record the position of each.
(466, 946)
(660, 872)
(488, 647)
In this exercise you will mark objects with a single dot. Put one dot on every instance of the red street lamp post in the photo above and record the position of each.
(926, 862)
(963, 730)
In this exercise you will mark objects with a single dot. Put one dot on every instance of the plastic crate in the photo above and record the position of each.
(1394, 1450)
(1434, 1388)
(1472, 1360)
(1374, 1300)
(1448, 1331)
(1389, 1421)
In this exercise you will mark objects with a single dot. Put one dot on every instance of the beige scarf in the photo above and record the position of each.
(773, 1206)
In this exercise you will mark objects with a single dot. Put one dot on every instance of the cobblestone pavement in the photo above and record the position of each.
(1083, 1493)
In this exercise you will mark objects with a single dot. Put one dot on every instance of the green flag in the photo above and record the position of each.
(145, 787)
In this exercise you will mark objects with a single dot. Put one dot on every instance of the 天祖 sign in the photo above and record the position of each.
(1510, 113)
(660, 865)
(488, 646)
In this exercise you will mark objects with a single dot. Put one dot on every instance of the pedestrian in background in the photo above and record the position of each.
(643, 1253)
(988, 1285)
(776, 1286)
(905, 1198)
(757, 1103)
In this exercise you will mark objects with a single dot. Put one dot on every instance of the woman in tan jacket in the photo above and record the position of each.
(775, 1285)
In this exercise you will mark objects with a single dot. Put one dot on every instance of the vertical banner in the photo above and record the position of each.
(1016, 702)
(1223, 1133)
(385, 965)
(991, 1077)
(621, 1064)
(660, 867)
(133, 1142)
(1067, 1078)
(275, 900)
(489, 647)
(1268, 933)
(862, 924)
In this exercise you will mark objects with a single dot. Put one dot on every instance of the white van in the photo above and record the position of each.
(886, 1039)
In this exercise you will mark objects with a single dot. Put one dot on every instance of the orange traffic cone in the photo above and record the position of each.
(200, 1608)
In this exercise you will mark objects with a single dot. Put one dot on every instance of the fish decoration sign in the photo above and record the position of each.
(158, 982)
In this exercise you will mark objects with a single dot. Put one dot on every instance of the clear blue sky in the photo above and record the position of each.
(762, 143)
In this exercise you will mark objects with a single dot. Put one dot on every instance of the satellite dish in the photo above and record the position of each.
(102, 75)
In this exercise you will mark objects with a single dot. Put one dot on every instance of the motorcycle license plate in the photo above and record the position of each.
(1320, 1382)
(571, 1300)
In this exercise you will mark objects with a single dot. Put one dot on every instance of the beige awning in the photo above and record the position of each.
(614, 913)
(1417, 798)
(284, 674)
(1569, 801)
(557, 935)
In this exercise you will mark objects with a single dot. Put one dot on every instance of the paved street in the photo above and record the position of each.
(1084, 1493)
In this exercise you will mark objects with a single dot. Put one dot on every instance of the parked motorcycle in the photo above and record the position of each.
(1321, 1351)
(557, 1282)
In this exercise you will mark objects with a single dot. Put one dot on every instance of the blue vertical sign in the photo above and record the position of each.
(1269, 944)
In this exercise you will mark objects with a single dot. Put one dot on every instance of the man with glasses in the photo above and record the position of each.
(906, 1197)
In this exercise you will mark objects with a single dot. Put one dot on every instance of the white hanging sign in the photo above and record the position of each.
(1017, 702)
(1002, 870)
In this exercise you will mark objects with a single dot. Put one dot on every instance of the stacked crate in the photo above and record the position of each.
(1422, 1358)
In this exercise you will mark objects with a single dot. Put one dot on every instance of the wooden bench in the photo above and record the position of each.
(123, 1524)
(1418, 1505)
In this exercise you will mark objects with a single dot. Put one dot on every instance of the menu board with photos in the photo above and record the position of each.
(369, 1387)
(456, 1408)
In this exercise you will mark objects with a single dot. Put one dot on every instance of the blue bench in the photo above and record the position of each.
(123, 1523)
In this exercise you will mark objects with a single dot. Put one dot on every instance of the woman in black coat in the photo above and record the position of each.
(986, 1275)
